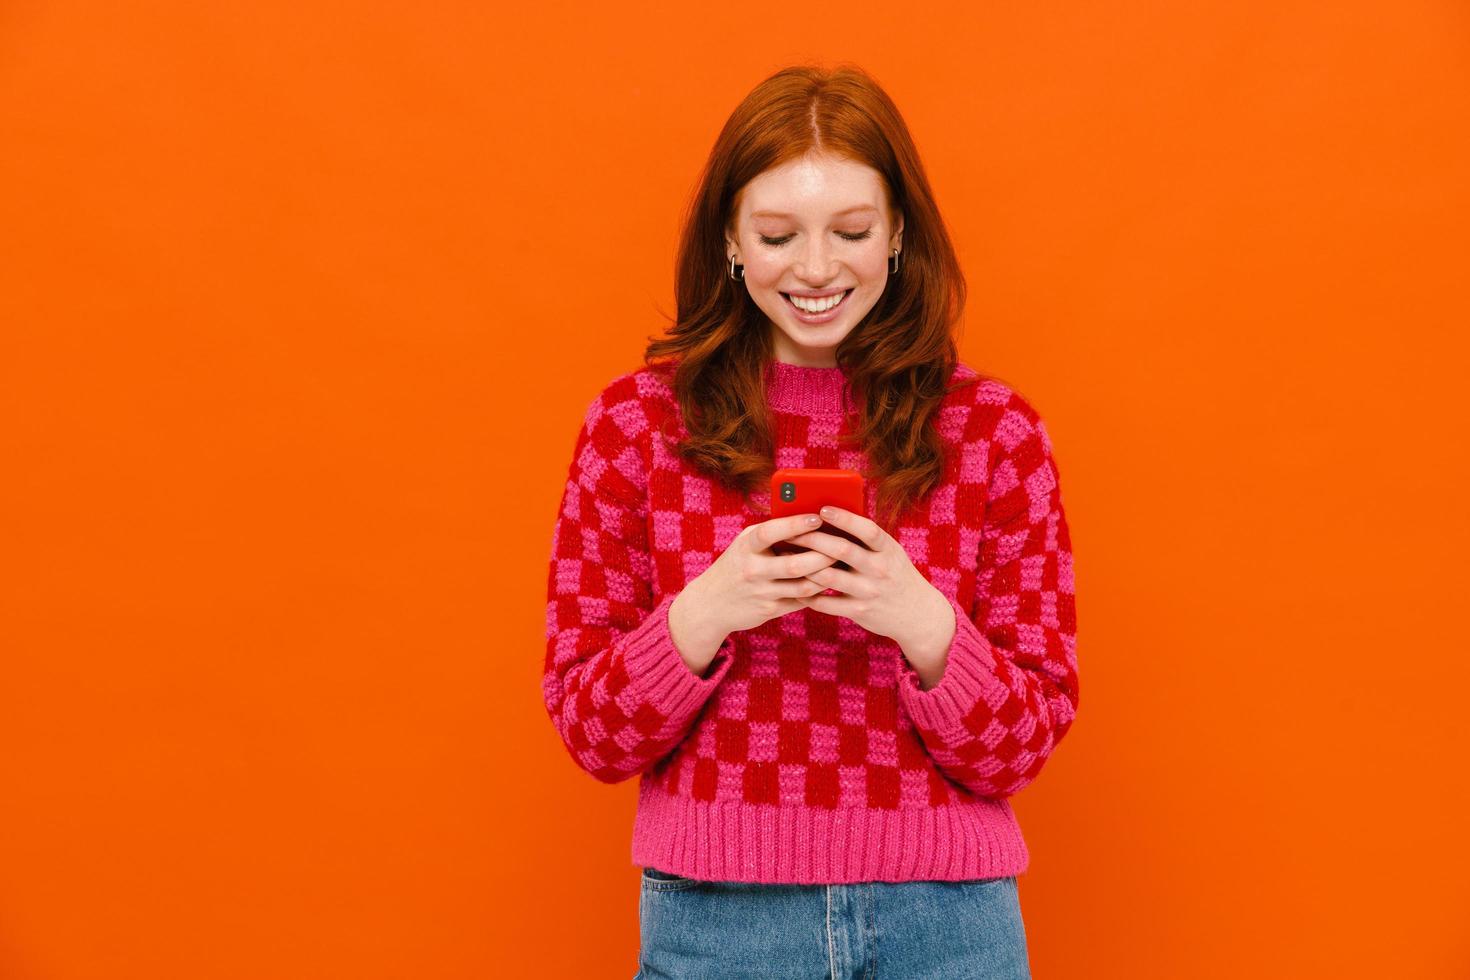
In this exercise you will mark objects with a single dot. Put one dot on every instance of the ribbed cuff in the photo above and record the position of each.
(658, 674)
(968, 671)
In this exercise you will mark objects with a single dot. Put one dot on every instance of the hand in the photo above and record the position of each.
(883, 593)
(749, 584)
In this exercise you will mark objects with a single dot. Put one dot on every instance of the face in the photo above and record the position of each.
(816, 225)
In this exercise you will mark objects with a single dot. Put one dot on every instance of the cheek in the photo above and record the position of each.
(874, 266)
(764, 271)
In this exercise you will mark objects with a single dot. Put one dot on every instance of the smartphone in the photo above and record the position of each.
(806, 490)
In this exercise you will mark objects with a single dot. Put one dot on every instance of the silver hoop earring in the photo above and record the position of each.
(733, 267)
(893, 266)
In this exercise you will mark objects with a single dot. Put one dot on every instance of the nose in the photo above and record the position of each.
(815, 266)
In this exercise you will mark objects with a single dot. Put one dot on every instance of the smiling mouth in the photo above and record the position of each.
(827, 312)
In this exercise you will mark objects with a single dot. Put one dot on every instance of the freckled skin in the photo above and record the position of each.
(816, 256)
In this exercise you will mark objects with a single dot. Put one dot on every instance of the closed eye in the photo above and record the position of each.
(778, 242)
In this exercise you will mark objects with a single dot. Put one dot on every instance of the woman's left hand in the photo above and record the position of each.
(883, 593)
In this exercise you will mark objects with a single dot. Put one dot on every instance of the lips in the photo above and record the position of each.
(827, 295)
(817, 317)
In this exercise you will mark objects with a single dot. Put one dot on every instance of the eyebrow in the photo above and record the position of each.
(782, 214)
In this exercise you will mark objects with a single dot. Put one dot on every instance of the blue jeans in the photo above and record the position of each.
(912, 930)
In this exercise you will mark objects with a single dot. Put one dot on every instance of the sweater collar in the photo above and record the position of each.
(805, 390)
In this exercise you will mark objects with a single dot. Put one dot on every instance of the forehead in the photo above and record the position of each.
(817, 187)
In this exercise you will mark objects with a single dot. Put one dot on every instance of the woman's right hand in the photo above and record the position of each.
(749, 584)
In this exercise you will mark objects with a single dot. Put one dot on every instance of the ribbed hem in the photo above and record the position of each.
(969, 671)
(734, 841)
(806, 390)
(659, 675)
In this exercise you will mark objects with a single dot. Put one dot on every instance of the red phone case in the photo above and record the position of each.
(811, 489)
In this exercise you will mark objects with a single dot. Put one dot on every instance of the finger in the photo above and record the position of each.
(864, 529)
(835, 578)
(837, 548)
(799, 588)
(769, 532)
(789, 566)
(832, 605)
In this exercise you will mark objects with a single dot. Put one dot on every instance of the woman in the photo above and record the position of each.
(824, 755)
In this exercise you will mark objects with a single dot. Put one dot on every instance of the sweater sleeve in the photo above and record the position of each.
(1009, 689)
(614, 684)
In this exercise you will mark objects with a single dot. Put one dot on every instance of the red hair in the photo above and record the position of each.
(897, 360)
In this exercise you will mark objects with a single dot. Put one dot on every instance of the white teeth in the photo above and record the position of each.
(816, 305)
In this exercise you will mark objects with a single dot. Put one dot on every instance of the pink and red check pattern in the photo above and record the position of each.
(807, 752)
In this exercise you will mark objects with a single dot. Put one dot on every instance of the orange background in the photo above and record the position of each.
(302, 305)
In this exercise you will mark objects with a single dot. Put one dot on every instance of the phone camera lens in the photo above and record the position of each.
(788, 490)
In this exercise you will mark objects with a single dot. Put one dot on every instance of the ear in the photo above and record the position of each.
(897, 239)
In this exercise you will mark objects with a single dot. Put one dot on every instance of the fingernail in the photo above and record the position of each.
(814, 519)
(826, 511)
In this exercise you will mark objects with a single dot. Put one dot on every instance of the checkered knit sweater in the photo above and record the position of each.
(807, 752)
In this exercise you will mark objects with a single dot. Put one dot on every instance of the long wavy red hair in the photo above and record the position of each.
(897, 361)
